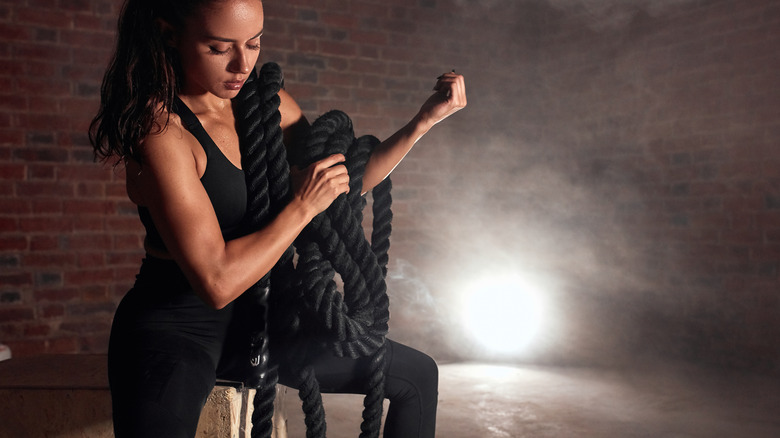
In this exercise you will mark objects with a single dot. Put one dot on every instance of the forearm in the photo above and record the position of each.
(390, 152)
(449, 97)
(243, 261)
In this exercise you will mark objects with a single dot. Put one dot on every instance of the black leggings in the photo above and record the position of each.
(159, 386)
(411, 385)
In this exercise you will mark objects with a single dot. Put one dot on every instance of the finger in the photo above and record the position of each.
(336, 184)
(459, 92)
(335, 172)
(451, 72)
(455, 88)
(444, 83)
(448, 89)
(343, 183)
(329, 161)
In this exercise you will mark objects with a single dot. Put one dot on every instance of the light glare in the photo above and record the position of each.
(503, 315)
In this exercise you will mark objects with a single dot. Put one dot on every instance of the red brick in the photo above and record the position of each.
(46, 225)
(56, 295)
(92, 56)
(10, 136)
(124, 242)
(44, 243)
(94, 344)
(14, 32)
(84, 327)
(37, 330)
(91, 260)
(338, 20)
(125, 258)
(88, 241)
(124, 224)
(337, 48)
(46, 87)
(14, 207)
(63, 345)
(42, 104)
(92, 190)
(48, 17)
(116, 190)
(338, 79)
(52, 310)
(12, 243)
(79, 207)
(84, 277)
(42, 52)
(370, 9)
(369, 37)
(127, 274)
(44, 189)
(15, 313)
(13, 102)
(49, 260)
(40, 172)
(26, 347)
(45, 206)
(99, 297)
(41, 154)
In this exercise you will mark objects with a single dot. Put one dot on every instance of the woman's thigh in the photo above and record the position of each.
(159, 384)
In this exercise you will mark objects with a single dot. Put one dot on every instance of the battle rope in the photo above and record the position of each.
(355, 324)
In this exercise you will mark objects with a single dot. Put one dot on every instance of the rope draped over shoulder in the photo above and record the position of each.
(304, 307)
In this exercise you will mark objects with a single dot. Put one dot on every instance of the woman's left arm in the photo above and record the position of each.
(449, 97)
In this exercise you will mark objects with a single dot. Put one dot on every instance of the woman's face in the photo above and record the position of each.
(219, 46)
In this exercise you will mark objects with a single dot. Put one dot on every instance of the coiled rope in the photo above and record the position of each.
(306, 307)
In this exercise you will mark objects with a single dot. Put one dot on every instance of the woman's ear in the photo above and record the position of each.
(168, 33)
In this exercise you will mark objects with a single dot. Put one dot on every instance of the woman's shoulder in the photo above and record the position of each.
(166, 152)
(168, 136)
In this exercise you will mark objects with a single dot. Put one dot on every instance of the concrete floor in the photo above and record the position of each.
(490, 401)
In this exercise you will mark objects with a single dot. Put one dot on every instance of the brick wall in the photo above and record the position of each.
(623, 157)
(67, 239)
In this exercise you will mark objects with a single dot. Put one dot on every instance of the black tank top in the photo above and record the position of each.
(224, 183)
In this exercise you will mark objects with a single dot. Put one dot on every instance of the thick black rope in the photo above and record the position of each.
(267, 175)
(354, 324)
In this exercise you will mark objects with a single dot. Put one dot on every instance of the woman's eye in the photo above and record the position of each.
(217, 51)
(253, 45)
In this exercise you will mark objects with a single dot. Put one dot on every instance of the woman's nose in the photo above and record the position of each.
(240, 64)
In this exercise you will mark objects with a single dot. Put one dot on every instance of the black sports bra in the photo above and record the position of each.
(224, 183)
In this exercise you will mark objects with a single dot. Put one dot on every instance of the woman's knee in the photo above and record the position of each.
(412, 373)
(429, 374)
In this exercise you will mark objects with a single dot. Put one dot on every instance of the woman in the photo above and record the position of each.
(166, 112)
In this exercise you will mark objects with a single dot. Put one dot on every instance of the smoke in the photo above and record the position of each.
(606, 15)
(410, 290)
(600, 15)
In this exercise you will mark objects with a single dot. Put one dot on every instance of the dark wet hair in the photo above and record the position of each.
(142, 78)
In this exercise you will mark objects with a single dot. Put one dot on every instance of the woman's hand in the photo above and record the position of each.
(450, 97)
(317, 186)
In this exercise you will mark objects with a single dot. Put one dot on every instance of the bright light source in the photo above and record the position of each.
(503, 314)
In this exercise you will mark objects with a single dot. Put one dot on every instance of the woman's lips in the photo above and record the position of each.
(234, 85)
